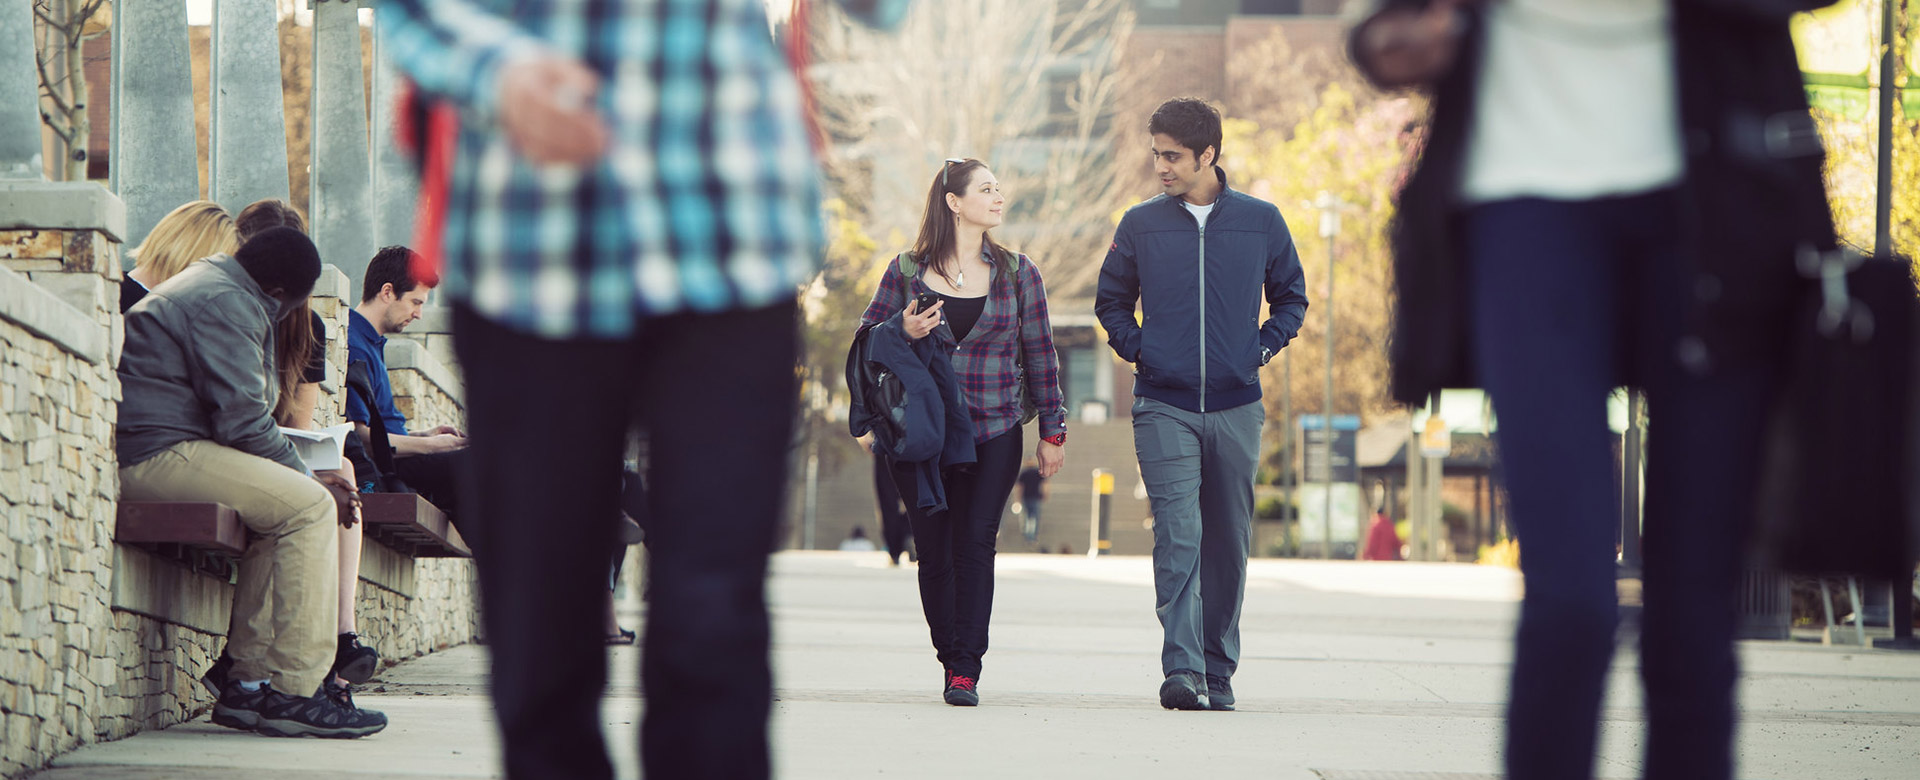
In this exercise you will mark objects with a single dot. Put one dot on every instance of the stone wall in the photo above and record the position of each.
(443, 610)
(425, 390)
(332, 301)
(61, 646)
(98, 640)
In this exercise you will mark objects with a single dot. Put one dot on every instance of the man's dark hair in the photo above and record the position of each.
(1192, 123)
(393, 265)
(281, 258)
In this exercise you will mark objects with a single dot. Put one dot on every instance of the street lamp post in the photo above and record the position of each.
(1289, 473)
(1883, 183)
(1330, 207)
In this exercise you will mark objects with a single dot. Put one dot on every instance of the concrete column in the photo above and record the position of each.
(396, 190)
(156, 159)
(20, 155)
(342, 177)
(249, 125)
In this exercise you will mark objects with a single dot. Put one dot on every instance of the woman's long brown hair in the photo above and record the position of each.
(293, 336)
(934, 248)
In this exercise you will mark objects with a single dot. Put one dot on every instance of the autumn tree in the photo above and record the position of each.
(1029, 86)
(1351, 146)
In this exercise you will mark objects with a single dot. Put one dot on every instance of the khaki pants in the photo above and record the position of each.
(292, 518)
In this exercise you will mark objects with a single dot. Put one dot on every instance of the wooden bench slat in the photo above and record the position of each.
(201, 524)
(412, 521)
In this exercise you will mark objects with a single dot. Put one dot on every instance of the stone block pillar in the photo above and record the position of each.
(156, 160)
(20, 155)
(249, 125)
(342, 210)
(396, 190)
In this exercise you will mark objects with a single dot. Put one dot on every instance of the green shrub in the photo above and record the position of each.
(1271, 508)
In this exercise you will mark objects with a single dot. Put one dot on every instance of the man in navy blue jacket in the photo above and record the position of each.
(1197, 259)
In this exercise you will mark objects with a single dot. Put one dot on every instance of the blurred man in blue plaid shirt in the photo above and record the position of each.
(633, 206)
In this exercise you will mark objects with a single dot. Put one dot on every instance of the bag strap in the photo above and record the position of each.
(1020, 319)
(361, 384)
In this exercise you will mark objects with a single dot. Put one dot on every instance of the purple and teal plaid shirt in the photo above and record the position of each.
(987, 361)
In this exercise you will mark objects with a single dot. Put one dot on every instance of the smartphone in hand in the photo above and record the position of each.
(924, 301)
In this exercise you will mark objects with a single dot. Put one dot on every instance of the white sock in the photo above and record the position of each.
(251, 685)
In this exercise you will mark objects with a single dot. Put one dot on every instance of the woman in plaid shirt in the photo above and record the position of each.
(993, 300)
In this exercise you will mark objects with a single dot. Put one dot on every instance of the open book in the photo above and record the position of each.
(322, 450)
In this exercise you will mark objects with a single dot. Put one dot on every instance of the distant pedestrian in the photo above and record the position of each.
(1195, 263)
(1383, 540)
(857, 541)
(1611, 194)
(1033, 495)
(894, 528)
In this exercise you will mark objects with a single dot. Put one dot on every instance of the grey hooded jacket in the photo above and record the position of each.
(198, 364)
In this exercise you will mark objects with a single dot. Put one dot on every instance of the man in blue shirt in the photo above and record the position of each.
(390, 301)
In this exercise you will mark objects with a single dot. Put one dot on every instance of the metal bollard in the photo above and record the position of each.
(1099, 522)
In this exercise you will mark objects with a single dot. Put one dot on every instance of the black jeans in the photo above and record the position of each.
(435, 477)
(549, 421)
(893, 520)
(956, 549)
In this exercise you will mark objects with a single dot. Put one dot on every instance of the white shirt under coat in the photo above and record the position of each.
(1575, 101)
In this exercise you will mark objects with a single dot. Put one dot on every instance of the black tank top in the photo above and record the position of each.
(962, 314)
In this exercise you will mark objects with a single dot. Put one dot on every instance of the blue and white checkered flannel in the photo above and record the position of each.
(707, 201)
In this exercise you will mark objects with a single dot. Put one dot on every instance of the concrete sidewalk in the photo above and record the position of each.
(1351, 671)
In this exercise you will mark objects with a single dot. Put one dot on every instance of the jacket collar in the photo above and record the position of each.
(360, 326)
(1226, 190)
(232, 268)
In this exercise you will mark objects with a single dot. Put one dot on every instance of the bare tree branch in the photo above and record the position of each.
(1030, 86)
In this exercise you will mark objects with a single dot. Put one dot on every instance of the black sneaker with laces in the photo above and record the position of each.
(354, 662)
(1183, 690)
(1219, 692)
(239, 708)
(962, 690)
(328, 713)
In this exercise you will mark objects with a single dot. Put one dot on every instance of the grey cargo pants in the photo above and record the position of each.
(1199, 469)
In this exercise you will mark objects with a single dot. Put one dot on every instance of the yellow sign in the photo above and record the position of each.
(1436, 441)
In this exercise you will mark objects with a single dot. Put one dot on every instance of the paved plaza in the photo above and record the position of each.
(1351, 671)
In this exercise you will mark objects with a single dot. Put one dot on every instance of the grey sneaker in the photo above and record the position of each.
(1183, 690)
(239, 708)
(328, 713)
(1219, 692)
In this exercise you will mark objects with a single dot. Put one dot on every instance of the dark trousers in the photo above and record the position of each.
(435, 476)
(956, 549)
(549, 421)
(893, 520)
(1566, 294)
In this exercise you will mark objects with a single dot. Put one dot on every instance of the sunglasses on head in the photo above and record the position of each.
(950, 162)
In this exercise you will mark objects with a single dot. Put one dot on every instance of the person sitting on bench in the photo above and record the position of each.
(197, 425)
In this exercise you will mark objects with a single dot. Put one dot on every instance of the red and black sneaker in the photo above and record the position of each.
(961, 690)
